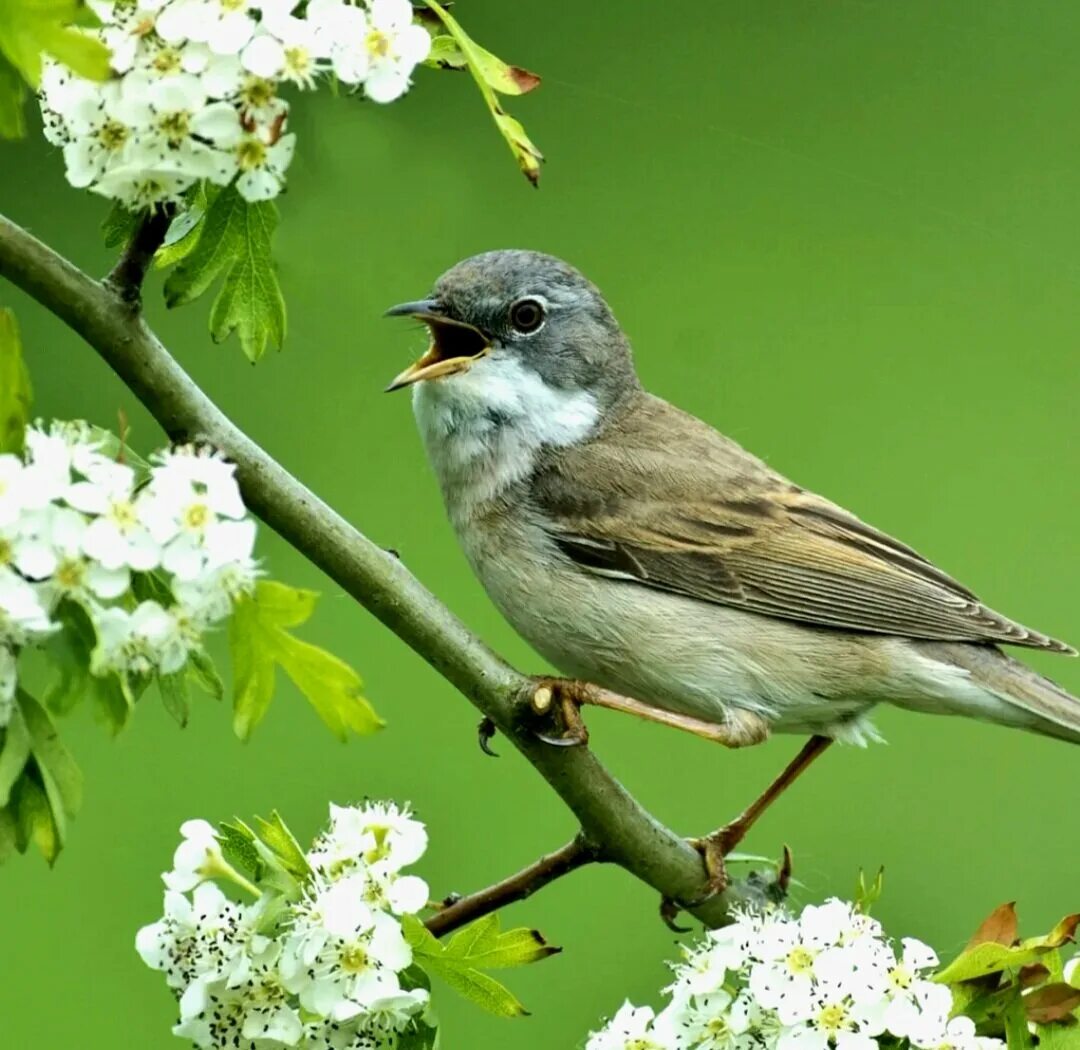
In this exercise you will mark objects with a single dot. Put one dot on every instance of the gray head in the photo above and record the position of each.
(521, 315)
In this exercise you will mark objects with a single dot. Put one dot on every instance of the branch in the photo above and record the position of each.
(575, 854)
(623, 831)
(127, 276)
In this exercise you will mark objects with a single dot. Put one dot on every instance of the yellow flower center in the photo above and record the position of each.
(900, 977)
(70, 574)
(377, 44)
(6, 552)
(123, 515)
(257, 93)
(175, 126)
(298, 61)
(197, 516)
(250, 154)
(354, 959)
(833, 1018)
(800, 960)
(234, 5)
(112, 135)
(167, 60)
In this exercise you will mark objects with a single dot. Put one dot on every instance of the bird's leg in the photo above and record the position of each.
(566, 696)
(716, 846)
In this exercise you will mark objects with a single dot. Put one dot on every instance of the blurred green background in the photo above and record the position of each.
(844, 233)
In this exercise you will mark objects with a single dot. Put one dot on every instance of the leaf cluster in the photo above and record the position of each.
(1014, 988)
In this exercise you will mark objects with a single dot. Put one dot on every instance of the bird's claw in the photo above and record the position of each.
(559, 700)
(485, 731)
(669, 912)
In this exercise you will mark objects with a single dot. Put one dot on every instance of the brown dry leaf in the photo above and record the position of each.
(999, 927)
(1054, 1002)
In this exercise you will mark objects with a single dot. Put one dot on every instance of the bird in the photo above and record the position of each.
(638, 549)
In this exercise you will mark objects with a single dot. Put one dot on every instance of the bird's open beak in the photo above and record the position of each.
(454, 344)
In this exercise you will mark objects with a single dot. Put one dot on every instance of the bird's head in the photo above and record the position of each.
(523, 320)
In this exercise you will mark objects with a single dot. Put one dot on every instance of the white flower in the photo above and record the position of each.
(137, 183)
(104, 120)
(141, 642)
(55, 540)
(262, 160)
(225, 26)
(23, 617)
(14, 494)
(395, 46)
(219, 1013)
(834, 1023)
(341, 31)
(783, 978)
(629, 1029)
(194, 859)
(385, 888)
(8, 682)
(959, 1034)
(708, 1022)
(194, 938)
(342, 955)
(289, 49)
(379, 832)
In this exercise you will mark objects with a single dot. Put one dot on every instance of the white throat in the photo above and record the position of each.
(484, 427)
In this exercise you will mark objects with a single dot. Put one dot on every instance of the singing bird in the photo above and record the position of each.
(637, 548)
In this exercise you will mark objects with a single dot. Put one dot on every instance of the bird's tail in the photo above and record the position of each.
(1049, 709)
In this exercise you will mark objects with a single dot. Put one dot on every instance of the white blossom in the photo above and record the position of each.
(342, 955)
(630, 1029)
(195, 937)
(195, 857)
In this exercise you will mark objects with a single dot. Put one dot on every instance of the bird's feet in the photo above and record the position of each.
(561, 699)
(557, 701)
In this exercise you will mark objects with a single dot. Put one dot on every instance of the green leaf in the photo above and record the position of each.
(14, 754)
(15, 395)
(204, 673)
(61, 777)
(988, 957)
(12, 98)
(491, 75)
(174, 695)
(31, 28)
(238, 847)
(1017, 1036)
(34, 820)
(234, 245)
(8, 834)
(276, 834)
(479, 946)
(418, 1037)
(259, 643)
(446, 53)
(118, 226)
(70, 651)
(186, 229)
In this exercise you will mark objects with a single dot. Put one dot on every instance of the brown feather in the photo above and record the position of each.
(662, 499)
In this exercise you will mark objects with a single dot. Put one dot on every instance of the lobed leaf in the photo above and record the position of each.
(989, 957)
(492, 75)
(232, 242)
(15, 393)
(259, 643)
(30, 29)
(480, 946)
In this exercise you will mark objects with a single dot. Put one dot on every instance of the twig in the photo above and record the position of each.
(127, 276)
(607, 813)
(575, 854)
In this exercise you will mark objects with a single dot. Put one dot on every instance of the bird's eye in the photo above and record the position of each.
(527, 315)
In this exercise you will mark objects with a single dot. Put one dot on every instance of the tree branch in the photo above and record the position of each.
(127, 276)
(575, 854)
(623, 831)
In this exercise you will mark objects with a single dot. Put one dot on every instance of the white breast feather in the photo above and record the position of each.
(483, 428)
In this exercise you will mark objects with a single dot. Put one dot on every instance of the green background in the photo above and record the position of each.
(844, 233)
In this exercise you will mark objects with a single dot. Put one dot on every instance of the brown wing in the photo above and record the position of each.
(765, 546)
